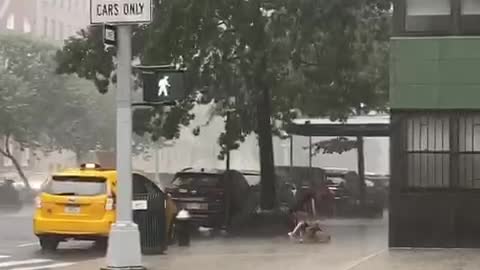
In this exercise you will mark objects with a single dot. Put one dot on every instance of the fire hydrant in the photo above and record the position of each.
(183, 228)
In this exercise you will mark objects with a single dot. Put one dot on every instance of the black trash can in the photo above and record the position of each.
(149, 215)
(183, 226)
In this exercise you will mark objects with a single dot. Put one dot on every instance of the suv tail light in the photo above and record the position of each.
(38, 202)
(110, 203)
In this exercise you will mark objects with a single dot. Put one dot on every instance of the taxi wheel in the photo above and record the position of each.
(49, 244)
(101, 243)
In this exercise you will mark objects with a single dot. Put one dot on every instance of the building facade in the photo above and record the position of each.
(51, 20)
(17, 16)
(435, 118)
(59, 19)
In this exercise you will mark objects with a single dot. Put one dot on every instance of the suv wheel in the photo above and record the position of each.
(171, 233)
(49, 243)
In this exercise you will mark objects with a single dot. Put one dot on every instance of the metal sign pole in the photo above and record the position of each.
(124, 242)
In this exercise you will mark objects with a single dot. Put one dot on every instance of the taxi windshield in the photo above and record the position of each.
(76, 186)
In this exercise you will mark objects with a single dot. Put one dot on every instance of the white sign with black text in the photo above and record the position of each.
(120, 11)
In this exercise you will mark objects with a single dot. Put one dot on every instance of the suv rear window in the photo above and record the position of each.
(202, 180)
(76, 186)
(334, 180)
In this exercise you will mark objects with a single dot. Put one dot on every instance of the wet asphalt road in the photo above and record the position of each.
(19, 248)
(352, 242)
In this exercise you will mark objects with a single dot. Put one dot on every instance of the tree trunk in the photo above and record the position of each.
(267, 166)
(20, 172)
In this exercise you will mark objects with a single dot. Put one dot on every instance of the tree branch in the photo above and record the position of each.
(7, 144)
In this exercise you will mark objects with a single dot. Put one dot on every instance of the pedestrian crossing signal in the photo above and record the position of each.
(163, 86)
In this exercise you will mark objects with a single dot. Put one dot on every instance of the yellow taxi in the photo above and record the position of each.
(79, 204)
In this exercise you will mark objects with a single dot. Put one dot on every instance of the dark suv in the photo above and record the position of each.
(344, 184)
(211, 196)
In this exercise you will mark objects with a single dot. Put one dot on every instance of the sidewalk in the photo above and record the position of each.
(456, 259)
(423, 259)
(356, 245)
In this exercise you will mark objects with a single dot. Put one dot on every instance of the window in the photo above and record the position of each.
(27, 27)
(11, 22)
(197, 180)
(45, 26)
(428, 7)
(24, 157)
(428, 145)
(469, 151)
(470, 7)
(6, 161)
(70, 31)
(441, 150)
(436, 17)
(60, 31)
(470, 16)
(53, 30)
(76, 186)
(428, 15)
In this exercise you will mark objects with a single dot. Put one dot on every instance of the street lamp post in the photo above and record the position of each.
(231, 103)
(227, 165)
(309, 146)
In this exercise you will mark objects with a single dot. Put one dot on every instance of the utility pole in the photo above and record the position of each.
(124, 241)
(124, 250)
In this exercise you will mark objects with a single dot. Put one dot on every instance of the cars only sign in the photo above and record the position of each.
(120, 11)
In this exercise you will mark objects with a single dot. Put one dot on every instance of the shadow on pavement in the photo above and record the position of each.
(73, 251)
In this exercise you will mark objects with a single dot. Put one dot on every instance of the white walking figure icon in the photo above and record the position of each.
(163, 86)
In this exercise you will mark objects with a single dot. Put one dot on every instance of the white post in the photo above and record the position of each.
(124, 242)
(156, 149)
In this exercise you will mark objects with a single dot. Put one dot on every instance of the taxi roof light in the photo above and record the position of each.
(90, 166)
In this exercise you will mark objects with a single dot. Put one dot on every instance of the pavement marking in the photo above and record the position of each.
(363, 259)
(48, 266)
(4, 256)
(31, 261)
(28, 244)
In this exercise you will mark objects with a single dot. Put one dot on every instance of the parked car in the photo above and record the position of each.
(285, 188)
(380, 186)
(212, 197)
(9, 195)
(345, 185)
(309, 180)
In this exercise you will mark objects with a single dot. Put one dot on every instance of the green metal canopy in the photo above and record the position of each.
(364, 126)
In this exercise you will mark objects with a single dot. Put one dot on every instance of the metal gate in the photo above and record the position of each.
(435, 187)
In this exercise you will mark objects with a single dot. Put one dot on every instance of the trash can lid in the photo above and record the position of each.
(183, 214)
